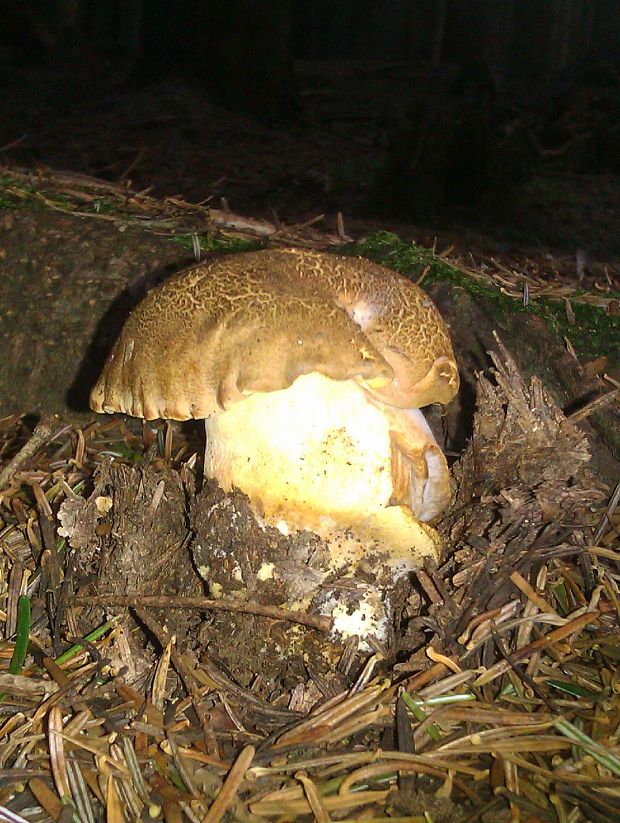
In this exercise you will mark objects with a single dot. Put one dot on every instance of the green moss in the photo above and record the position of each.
(594, 332)
(8, 197)
(15, 194)
(413, 261)
(214, 243)
(103, 206)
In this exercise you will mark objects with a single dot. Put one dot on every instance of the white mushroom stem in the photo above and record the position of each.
(323, 455)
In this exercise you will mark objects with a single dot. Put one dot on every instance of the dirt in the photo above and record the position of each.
(145, 531)
(66, 286)
(131, 534)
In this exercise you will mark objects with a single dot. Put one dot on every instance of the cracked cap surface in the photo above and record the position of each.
(254, 322)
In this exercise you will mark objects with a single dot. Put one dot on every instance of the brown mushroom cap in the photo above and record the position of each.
(254, 322)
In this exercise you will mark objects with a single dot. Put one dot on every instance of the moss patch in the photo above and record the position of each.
(217, 243)
(14, 195)
(593, 333)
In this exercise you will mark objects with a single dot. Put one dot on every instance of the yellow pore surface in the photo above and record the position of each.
(317, 456)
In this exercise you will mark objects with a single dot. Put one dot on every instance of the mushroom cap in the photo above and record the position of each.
(254, 322)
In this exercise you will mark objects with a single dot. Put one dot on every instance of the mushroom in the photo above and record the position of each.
(310, 370)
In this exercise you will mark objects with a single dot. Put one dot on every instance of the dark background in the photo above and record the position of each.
(404, 110)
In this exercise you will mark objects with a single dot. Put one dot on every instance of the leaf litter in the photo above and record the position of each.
(503, 702)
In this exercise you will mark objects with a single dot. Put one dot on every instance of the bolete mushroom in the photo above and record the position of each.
(310, 370)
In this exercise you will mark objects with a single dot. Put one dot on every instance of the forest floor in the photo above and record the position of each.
(519, 621)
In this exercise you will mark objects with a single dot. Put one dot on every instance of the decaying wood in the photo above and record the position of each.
(523, 485)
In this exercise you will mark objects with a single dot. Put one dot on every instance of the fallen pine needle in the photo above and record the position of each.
(231, 786)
